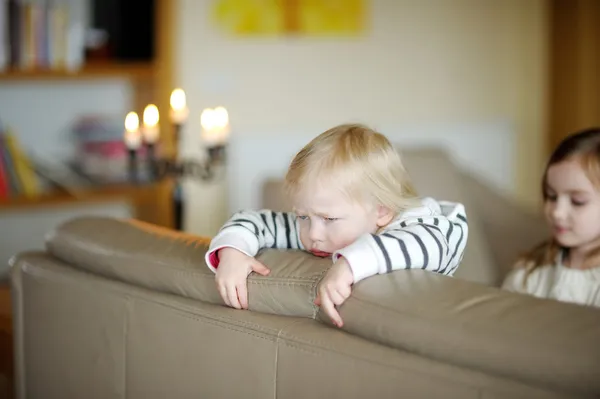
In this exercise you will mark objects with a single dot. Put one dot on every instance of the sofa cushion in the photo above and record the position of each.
(173, 262)
(479, 327)
(435, 175)
(510, 229)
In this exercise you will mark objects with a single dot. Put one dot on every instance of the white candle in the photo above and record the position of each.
(215, 126)
(151, 130)
(132, 135)
(179, 111)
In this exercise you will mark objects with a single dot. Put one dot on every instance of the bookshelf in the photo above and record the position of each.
(93, 70)
(151, 82)
(109, 193)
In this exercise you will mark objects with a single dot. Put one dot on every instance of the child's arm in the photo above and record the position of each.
(434, 243)
(250, 231)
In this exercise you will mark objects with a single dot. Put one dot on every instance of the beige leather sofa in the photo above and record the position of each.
(121, 309)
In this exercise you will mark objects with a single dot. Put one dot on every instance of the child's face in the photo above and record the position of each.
(572, 206)
(329, 221)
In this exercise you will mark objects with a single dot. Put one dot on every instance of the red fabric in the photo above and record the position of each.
(213, 258)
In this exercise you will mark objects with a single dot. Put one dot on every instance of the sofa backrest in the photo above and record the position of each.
(449, 320)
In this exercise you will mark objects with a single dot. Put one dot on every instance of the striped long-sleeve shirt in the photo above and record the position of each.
(432, 237)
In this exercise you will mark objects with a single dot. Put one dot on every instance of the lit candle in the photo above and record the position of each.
(215, 126)
(151, 118)
(151, 133)
(133, 141)
(132, 136)
(179, 110)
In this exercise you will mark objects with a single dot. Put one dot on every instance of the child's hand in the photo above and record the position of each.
(234, 268)
(334, 289)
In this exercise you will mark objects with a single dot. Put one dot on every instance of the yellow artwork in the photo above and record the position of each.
(289, 17)
(247, 17)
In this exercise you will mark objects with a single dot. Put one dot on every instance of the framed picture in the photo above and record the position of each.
(290, 17)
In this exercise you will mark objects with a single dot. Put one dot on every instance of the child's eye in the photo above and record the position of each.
(331, 219)
(578, 203)
(550, 197)
(302, 217)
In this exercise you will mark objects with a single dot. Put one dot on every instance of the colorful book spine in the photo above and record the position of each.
(4, 183)
(24, 169)
(14, 183)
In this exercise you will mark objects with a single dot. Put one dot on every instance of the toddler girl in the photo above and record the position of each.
(567, 266)
(352, 201)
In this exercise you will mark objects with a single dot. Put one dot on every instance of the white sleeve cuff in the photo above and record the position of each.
(361, 257)
(246, 243)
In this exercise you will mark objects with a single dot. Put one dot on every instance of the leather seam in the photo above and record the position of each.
(201, 274)
(128, 307)
(313, 293)
(283, 283)
(85, 247)
(231, 327)
(277, 343)
(217, 319)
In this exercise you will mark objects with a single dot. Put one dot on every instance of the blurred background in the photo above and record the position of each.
(495, 83)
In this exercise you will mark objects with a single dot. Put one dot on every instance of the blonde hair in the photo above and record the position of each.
(583, 146)
(359, 161)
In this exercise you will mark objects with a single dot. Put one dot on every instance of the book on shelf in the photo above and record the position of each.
(42, 35)
(101, 152)
(25, 176)
(17, 175)
(101, 159)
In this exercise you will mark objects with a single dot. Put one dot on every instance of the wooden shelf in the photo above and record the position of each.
(93, 70)
(102, 194)
(151, 82)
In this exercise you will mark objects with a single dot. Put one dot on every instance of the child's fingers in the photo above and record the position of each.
(259, 268)
(223, 293)
(317, 300)
(344, 290)
(232, 295)
(330, 311)
(242, 293)
(336, 297)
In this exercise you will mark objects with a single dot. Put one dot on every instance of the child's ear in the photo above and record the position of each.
(384, 215)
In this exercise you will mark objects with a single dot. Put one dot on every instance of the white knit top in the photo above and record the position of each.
(558, 282)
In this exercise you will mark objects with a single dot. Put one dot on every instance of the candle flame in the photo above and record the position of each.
(178, 101)
(132, 122)
(151, 116)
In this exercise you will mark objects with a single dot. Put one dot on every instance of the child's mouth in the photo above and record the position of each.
(320, 254)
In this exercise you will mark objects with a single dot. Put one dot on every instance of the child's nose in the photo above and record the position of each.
(559, 212)
(315, 233)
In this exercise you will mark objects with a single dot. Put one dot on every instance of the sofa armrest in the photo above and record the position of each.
(173, 262)
(479, 327)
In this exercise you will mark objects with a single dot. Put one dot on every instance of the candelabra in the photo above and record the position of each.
(142, 141)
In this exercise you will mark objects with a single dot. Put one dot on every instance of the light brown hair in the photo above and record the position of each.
(360, 161)
(583, 146)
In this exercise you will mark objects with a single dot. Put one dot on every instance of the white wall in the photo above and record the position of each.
(486, 149)
(422, 62)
